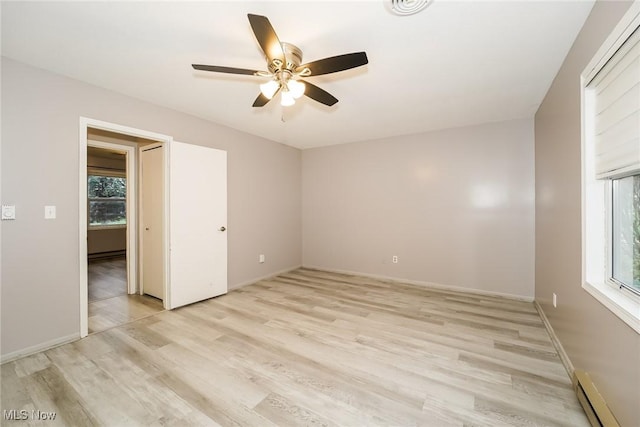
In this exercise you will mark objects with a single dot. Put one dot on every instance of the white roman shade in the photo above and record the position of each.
(615, 92)
(99, 171)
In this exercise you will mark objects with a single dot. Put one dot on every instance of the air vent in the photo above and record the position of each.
(408, 7)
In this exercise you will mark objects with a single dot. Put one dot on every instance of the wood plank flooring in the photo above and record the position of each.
(111, 312)
(107, 278)
(109, 303)
(308, 348)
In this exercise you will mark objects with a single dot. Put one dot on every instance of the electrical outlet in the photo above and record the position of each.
(394, 259)
(555, 300)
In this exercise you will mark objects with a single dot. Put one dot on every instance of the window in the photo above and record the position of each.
(625, 238)
(107, 200)
(611, 171)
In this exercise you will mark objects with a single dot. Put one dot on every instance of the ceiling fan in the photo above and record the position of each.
(285, 70)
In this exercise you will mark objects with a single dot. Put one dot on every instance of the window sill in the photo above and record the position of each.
(626, 307)
(107, 227)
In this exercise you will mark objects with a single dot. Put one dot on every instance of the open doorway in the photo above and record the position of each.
(115, 240)
(192, 190)
(107, 223)
(112, 300)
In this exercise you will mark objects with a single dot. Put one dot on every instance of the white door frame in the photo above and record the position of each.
(85, 124)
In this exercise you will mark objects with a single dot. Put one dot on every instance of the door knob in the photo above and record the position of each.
(222, 228)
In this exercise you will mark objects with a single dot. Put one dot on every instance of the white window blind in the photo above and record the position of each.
(615, 93)
(100, 171)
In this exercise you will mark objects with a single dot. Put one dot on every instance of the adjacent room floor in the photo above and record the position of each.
(109, 303)
(309, 348)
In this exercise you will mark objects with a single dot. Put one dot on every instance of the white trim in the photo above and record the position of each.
(84, 125)
(83, 251)
(564, 357)
(623, 306)
(427, 284)
(167, 226)
(618, 36)
(596, 247)
(267, 276)
(107, 227)
(112, 127)
(38, 348)
(140, 248)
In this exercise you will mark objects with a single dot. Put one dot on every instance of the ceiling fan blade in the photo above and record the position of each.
(267, 38)
(260, 101)
(228, 70)
(335, 63)
(320, 95)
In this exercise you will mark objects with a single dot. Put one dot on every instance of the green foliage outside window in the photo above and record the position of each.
(626, 231)
(636, 232)
(107, 200)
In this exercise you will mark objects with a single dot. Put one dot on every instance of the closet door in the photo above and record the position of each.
(152, 194)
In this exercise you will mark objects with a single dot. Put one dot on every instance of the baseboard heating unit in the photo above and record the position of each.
(592, 402)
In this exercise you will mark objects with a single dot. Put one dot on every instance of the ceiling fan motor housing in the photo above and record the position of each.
(408, 7)
(293, 58)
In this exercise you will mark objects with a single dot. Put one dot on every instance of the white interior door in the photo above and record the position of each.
(152, 194)
(198, 220)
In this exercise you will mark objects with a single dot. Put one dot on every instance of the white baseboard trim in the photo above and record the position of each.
(38, 348)
(439, 286)
(267, 276)
(564, 357)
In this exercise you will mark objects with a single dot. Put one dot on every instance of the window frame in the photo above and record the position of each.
(597, 195)
(610, 228)
(106, 173)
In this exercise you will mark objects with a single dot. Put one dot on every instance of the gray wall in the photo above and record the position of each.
(40, 258)
(455, 206)
(106, 240)
(595, 339)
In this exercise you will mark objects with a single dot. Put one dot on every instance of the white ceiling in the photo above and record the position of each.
(456, 63)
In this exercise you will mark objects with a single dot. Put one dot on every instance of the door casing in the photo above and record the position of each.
(85, 125)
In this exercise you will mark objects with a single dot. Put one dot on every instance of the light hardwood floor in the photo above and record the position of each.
(309, 348)
(109, 304)
(107, 278)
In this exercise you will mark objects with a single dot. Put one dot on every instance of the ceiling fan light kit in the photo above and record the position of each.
(269, 88)
(285, 70)
(287, 99)
(296, 88)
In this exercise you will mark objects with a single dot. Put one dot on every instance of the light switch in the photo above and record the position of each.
(8, 212)
(49, 212)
